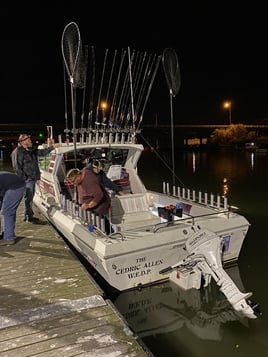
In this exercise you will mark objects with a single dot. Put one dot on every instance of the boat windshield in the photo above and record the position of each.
(107, 156)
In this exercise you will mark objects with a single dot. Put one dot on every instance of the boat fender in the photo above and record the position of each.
(91, 228)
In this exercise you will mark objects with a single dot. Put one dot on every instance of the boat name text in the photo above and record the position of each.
(140, 268)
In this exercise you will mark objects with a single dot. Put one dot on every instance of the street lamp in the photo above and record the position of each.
(103, 107)
(228, 105)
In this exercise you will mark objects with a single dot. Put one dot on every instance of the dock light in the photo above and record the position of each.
(228, 105)
(103, 108)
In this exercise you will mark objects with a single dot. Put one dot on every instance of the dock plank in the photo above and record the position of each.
(51, 306)
(89, 330)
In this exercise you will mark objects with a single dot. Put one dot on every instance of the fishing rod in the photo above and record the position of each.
(138, 78)
(91, 101)
(130, 83)
(111, 76)
(124, 97)
(66, 130)
(164, 161)
(113, 106)
(135, 70)
(100, 91)
(85, 64)
(173, 78)
(108, 93)
(146, 78)
(149, 89)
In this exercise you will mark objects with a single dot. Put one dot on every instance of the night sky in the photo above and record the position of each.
(221, 48)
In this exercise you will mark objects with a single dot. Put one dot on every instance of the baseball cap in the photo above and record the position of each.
(71, 175)
(23, 137)
(97, 164)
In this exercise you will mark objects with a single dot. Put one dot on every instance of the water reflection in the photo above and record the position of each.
(243, 178)
(252, 157)
(194, 165)
(166, 307)
(225, 187)
(207, 172)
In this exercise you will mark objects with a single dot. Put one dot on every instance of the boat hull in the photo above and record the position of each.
(134, 258)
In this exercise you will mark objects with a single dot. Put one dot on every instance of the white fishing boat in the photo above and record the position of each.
(154, 236)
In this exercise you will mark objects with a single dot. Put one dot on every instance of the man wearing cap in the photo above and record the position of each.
(97, 168)
(91, 193)
(25, 164)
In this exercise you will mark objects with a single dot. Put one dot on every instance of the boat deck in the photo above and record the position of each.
(50, 305)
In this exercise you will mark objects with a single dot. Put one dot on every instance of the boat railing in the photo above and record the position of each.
(192, 220)
(90, 136)
(87, 218)
(90, 219)
(211, 200)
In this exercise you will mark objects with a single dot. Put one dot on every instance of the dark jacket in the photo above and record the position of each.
(9, 181)
(90, 189)
(25, 162)
(105, 181)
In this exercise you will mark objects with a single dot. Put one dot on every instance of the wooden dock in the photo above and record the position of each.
(50, 305)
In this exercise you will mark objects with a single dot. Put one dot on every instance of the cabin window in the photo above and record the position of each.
(44, 161)
(85, 157)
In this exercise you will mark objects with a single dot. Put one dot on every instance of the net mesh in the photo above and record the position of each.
(115, 90)
(72, 52)
(172, 70)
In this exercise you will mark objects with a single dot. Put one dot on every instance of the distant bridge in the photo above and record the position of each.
(185, 133)
(205, 126)
(159, 132)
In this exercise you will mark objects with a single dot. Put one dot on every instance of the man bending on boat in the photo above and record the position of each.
(92, 195)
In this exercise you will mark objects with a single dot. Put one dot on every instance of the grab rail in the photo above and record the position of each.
(190, 195)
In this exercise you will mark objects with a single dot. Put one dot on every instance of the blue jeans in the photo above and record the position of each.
(28, 199)
(9, 204)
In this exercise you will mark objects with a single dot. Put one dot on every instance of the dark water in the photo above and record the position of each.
(173, 322)
(200, 323)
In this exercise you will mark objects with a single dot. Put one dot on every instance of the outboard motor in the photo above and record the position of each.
(203, 262)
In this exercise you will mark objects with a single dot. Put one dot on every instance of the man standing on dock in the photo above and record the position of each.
(25, 164)
(11, 192)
